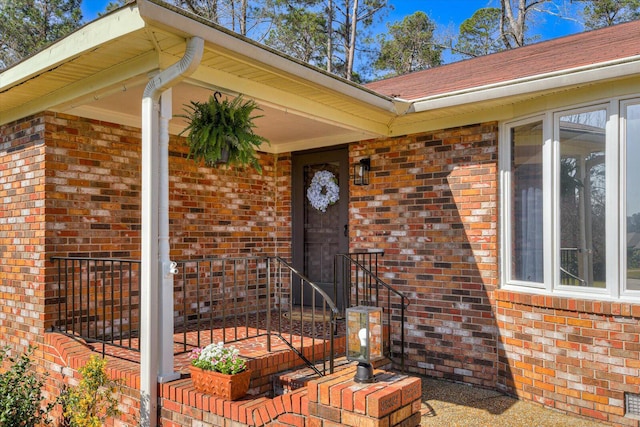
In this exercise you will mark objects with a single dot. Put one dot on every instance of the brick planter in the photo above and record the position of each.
(393, 400)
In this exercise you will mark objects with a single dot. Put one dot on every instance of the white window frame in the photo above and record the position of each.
(615, 165)
(624, 105)
(506, 205)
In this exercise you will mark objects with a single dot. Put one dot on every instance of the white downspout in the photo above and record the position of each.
(156, 362)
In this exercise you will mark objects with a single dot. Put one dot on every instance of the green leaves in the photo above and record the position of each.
(20, 393)
(93, 400)
(412, 46)
(219, 127)
(27, 26)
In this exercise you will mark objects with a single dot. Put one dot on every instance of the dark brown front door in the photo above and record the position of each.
(320, 228)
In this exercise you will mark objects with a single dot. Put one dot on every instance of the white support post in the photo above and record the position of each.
(168, 268)
(154, 367)
(149, 268)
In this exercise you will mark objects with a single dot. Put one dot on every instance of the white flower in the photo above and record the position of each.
(323, 191)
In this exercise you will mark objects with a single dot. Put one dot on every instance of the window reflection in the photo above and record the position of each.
(632, 133)
(583, 199)
(527, 200)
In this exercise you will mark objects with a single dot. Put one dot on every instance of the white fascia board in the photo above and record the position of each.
(100, 31)
(177, 23)
(81, 92)
(540, 83)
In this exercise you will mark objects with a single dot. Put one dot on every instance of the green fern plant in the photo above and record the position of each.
(223, 131)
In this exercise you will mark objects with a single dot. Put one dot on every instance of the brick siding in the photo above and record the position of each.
(22, 232)
(432, 207)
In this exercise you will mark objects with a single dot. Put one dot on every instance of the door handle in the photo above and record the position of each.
(346, 230)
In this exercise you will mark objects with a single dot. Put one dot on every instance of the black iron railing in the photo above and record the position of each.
(358, 274)
(99, 300)
(569, 274)
(242, 298)
(317, 321)
(228, 294)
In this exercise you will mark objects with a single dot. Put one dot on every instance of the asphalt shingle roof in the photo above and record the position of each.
(565, 53)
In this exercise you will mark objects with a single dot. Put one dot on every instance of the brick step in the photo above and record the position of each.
(294, 379)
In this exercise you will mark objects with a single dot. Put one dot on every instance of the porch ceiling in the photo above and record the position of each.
(100, 72)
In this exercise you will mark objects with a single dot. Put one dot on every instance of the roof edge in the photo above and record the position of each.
(111, 26)
(157, 12)
(593, 73)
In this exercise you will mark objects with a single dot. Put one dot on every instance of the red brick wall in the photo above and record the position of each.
(578, 356)
(87, 203)
(22, 232)
(432, 207)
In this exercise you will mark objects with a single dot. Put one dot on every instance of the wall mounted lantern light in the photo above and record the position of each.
(361, 172)
(364, 339)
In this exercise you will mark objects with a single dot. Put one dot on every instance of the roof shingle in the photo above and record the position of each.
(565, 53)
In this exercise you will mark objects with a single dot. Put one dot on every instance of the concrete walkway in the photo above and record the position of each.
(447, 404)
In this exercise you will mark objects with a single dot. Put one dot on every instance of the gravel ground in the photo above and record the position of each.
(449, 404)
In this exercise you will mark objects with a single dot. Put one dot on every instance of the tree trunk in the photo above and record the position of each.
(243, 17)
(329, 35)
(352, 40)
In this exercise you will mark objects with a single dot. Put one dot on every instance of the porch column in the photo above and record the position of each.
(168, 268)
(153, 270)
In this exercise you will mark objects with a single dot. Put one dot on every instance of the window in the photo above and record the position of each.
(562, 197)
(526, 203)
(582, 198)
(631, 142)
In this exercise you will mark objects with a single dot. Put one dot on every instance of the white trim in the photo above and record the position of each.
(526, 85)
(96, 33)
(505, 156)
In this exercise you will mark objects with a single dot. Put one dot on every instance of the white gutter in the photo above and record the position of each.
(156, 311)
(539, 83)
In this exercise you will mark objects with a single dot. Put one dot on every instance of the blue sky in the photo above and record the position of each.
(448, 14)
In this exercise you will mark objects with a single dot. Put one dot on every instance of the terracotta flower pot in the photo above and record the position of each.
(229, 387)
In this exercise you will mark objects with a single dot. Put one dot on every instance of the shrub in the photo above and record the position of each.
(93, 400)
(20, 393)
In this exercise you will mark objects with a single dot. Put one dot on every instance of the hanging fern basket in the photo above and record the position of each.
(221, 131)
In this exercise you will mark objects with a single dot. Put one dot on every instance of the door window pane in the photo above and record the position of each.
(632, 133)
(526, 203)
(582, 199)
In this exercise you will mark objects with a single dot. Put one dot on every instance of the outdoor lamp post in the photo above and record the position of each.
(364, 339)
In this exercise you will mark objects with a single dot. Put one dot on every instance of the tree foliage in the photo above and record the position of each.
(411, 46)
(351, 18)
(331, 34)
(28, 25)
(244, 17)
(604, 13)
(480, 34)
(299, 32)
(515, 19)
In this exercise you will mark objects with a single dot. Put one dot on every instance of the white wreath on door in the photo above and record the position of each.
(323, 191)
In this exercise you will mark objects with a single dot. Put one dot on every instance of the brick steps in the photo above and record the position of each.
(304, 397)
